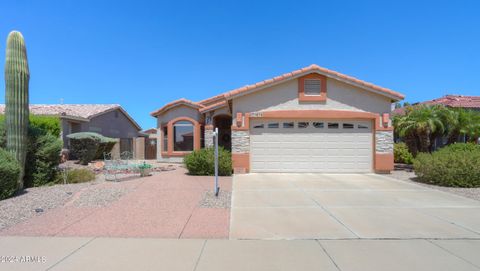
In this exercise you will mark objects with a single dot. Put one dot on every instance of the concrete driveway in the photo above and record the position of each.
(347, 206)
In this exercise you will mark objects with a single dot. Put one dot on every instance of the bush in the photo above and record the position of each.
(48, 124)
(43, 150)
(43, 157)
(401, 153)
(201, 162)
(105, 146)
(9, 173)
(457, 165)
(84, 146)
(79, 175)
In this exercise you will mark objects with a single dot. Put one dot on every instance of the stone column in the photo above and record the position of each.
(208, 136)
(240, 151)
(384, 151)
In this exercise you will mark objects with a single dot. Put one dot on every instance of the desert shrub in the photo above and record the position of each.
(457, 165)
(43, 157)
(48, 124)
(84, 146)
(78, 175)
(401, 153)
(9, 173)
(105, 146)
(43, 150)
(201, 162)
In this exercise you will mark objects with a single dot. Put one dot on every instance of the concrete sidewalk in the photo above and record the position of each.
(64, 253)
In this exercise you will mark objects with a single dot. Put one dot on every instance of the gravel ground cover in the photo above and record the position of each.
(209, 200)
(409, 176)
(23, 206)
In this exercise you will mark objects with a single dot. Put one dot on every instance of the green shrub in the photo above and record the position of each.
(457, 165)
(9, 174)
(43, 157)
(78, 175)
(48, 124)
(43, 150)
(401, 153)
(105, 146)
(84, 146)
(201, 162)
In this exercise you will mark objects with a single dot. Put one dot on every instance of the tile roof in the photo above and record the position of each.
(321, 70)
(457, 101)
(74, 110)
(217, 100)
(181, 101)
(78, 111)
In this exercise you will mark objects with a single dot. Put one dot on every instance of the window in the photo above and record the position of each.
(312, 86)
(318, 124)
(288, 124)
(361, 126)
(333, 125)
(347, 126)
(273, 125)
(302, 125)
(258, 126)
(183, 136)
(165, 139)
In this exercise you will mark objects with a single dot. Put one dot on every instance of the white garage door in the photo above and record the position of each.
(311, 146)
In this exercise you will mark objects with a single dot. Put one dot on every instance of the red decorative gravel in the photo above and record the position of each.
(164, 205)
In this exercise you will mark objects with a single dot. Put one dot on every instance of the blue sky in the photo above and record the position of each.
(142, 54)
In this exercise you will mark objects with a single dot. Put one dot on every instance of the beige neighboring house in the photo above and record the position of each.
(107, 119)
(309, 120)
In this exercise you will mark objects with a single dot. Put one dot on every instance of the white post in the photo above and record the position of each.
(215, 136)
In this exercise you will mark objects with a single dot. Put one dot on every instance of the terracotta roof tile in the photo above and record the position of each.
(74, 110)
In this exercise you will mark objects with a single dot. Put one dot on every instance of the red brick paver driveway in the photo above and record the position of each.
(164, 205)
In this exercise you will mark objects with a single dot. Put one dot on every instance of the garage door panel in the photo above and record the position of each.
(311, 149)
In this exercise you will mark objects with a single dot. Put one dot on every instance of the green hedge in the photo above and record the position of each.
(9, 173)
(43, 150)
(457, 165)
(201, 162)
(401, 153)
(87, 146)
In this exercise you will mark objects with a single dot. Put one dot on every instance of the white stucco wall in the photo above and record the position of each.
(340, 96)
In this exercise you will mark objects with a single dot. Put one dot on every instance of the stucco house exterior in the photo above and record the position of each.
(309, 120)
(107, 119)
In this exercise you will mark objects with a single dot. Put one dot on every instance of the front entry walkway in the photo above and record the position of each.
(347, 206)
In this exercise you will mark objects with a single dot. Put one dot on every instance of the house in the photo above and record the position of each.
(107, 119)
(309, 120)
(449, 100)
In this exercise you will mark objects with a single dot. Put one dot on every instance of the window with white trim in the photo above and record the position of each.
(288, 125)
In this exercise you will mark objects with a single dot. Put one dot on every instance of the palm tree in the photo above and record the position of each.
(465, 123)
(420, 126)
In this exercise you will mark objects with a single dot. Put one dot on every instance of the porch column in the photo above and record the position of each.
(208, 136)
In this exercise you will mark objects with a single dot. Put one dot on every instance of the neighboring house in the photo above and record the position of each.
(308, 120)
(107, 119)
(449, 100)
(454, 101)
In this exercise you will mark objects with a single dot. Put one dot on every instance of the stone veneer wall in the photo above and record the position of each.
(208, 137)
(384, 141)
(240, 141)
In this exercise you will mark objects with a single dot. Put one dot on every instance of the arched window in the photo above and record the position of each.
(183, 136)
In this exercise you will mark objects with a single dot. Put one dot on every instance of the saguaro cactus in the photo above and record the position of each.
(17, 77)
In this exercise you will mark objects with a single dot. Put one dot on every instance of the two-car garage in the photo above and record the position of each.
(308, 145)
